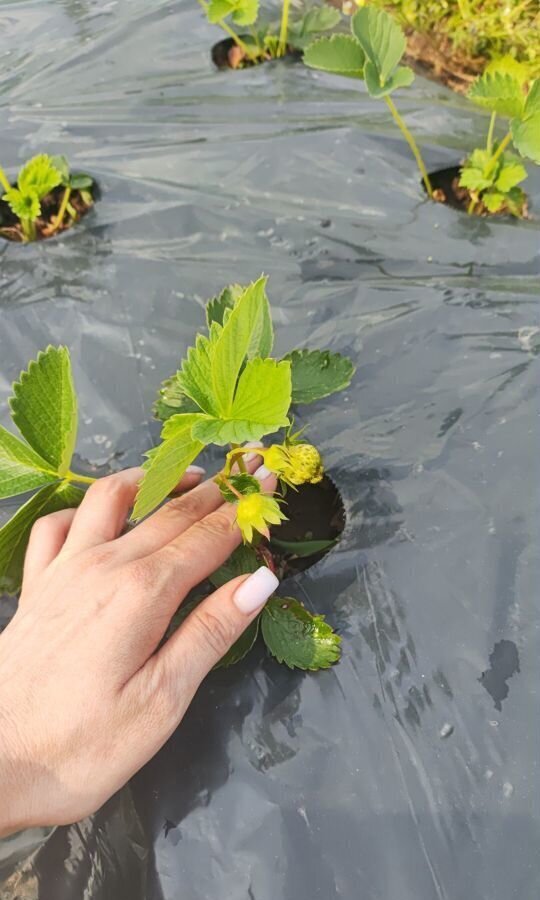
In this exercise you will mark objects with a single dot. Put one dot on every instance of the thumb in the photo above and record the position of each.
(215, 624)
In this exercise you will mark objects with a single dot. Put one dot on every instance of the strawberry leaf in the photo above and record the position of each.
(296, 637)
(44, 407)
(498, 92)
(39, 176)
(241, 647)
(14, 535)
(340, 54)
(243, 561)
(21, 469)
(381, 39)
(166, 463)
(318, 373)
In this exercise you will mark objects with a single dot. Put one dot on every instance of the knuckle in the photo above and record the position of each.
(220, 522)
(139, 577)
(110, 487)
(217, 632)
(189, 506)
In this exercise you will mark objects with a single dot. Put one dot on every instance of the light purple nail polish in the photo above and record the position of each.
(262, 473)
(195, 470)
(255, 591)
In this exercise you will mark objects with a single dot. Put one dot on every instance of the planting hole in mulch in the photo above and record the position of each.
(10, 226)
(227, 54)
(315, 521)
(447, 190)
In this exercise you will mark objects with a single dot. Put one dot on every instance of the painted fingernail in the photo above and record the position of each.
(195, 470)
(262, 473)
(251, 456)
(255, 591)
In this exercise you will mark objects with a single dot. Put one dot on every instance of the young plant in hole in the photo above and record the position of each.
(491, 175)
(46, 199)
(270, 40)
(372, 52)
(228, 390)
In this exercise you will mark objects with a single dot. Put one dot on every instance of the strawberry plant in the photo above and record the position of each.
(267, 40)
(228, 390)
(47, 198)
(491, 174)
(488, 181)
(372, 52)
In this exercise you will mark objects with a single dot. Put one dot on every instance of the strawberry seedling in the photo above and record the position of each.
(46, 199)
(228, 390)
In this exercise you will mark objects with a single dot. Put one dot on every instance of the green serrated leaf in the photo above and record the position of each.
(507, 65)
(402, 77)
(61, 165)
(218, 9)
(510, 174)
(233, 344)
(243, 484)
(320, 18)
(44, 407)
(81, 182)
(260, 406)
(25, 206)
(171, 400)
(493, 200)
(526, 136)
(498, 92)
(296, 637)
(302, 549)
(381, 39)
(215, 308)
(38, 176)
(14, 535)
(243, 561)
(167, 463)
(246, 12)
(195, 376)
(340, 54)
(478, 173)
(241, 647)
(532, 103)
(318, 373)
(21, 469)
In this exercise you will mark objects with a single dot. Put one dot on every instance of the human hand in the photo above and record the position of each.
(86, 696)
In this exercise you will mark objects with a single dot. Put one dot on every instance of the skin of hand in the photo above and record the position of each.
(88, 691)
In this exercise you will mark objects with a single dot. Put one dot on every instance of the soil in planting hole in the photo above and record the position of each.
(227, 54)
(447, 190)
(10, 227)
(314, 512)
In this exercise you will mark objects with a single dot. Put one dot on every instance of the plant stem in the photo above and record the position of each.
(284, 28)
(83, 479)
(4, 181)
(29, 229)
(501, 148)
(411, 142)
(471, 207)
(489, 144)
(237, 40)
(62, 211)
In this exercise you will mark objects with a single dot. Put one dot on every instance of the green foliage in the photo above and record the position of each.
(474, 29)
(318, 373)
(493, 182)
(242, 12)
(37, 178)
(44, 408)
(301, 549)
(381, 39)
(296, 637)
(498, 92)
(340, 54)
(526, 130)
(236, 392)
(316, 20)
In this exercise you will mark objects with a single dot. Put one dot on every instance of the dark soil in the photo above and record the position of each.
(314, 513)
(10, 227)
(447, 190)
(227, 54)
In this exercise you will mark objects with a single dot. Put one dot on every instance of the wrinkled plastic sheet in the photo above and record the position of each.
(408, 771)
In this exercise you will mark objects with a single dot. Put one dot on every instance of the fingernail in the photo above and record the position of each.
(250, 456)
(262, 473)
(195, 470)
(256, 590)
